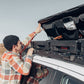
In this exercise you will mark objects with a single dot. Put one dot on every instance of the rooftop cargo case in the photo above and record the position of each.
(69, 25)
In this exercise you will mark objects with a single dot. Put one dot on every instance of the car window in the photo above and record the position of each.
(50, 78)
(54, 77)
(70, 80)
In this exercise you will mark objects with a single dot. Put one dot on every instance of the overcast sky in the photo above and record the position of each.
(20, 17)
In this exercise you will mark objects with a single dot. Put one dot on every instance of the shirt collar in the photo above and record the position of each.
(13, 53)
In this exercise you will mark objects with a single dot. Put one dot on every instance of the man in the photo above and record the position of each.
(12, 66)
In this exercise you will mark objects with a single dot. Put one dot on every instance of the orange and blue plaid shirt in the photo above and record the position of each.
(13, 67)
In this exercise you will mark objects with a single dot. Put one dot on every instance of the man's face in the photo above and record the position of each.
(19, 46)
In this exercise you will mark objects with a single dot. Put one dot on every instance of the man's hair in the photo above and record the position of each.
(9, 41)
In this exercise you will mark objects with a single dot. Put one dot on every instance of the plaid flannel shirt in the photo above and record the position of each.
(12, 67)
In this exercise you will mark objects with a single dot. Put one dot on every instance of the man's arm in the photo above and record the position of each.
(29, 38)
(19, 66)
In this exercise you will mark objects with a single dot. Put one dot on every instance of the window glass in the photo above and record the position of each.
(53, 77)
(69, 80)
(50, 78)
(46, 75)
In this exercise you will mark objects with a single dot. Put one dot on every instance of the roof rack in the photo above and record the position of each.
(70, 51)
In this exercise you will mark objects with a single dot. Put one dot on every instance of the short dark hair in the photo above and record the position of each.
(9, 41)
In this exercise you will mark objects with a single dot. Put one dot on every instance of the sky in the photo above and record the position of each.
(20, 17)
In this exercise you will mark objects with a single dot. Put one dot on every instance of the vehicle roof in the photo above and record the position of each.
(71, 69)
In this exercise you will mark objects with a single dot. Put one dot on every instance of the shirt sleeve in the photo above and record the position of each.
(27, 40)
(19, 66)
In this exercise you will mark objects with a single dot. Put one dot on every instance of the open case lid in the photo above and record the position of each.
(63, 20)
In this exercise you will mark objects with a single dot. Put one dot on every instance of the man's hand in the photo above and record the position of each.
(38, 29)
(30, 51)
